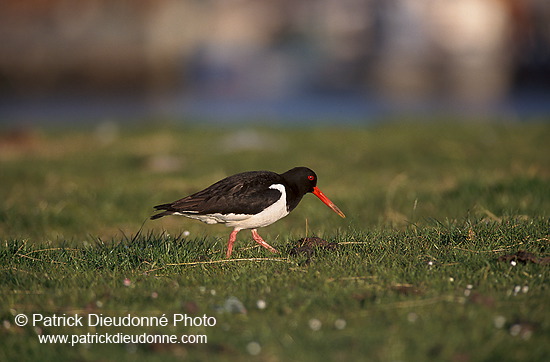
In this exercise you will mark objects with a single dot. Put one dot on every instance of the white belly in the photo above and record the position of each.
(268, 216)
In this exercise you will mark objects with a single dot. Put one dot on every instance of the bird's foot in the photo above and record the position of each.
(262, 242)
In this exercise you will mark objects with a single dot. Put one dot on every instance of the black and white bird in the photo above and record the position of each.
(248, 200)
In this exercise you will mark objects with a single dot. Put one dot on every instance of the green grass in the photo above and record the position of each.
(415, 277)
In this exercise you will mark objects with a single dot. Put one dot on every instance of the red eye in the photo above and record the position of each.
(311, 177)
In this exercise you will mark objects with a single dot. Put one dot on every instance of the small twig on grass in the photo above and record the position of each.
(504, 248)
(352, 278)
(21, 247)
(52, 249)
(220, 261)
(36, 259)
(488, 251)
(352, 242)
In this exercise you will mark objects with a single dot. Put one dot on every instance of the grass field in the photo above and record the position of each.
(415, 273)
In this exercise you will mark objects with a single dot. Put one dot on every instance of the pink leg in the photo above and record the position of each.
(232, 238)
(261, 241)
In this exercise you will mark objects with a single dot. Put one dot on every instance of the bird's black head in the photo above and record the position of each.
(301, 179)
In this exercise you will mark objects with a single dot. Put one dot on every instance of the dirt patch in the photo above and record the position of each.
(524, 257)
(306, 246)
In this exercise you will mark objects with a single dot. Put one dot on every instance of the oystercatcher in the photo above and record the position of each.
(248, 200)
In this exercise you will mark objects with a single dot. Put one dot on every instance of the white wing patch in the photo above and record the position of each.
(268, 216)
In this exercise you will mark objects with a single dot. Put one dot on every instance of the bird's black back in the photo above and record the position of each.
(243, 193)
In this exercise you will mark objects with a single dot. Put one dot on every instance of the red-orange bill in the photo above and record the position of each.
(327, 201)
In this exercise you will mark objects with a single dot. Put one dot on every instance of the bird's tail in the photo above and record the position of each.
(166, 207)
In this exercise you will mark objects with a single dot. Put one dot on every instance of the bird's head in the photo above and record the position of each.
(304, 180)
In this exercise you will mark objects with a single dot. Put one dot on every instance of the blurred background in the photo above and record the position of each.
(272, 60)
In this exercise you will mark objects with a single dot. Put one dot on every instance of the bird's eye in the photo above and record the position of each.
(311, 177)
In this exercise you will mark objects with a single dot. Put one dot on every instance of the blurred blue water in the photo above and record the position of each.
(336, 108)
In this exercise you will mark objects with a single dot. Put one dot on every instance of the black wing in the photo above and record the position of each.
(244, 193)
